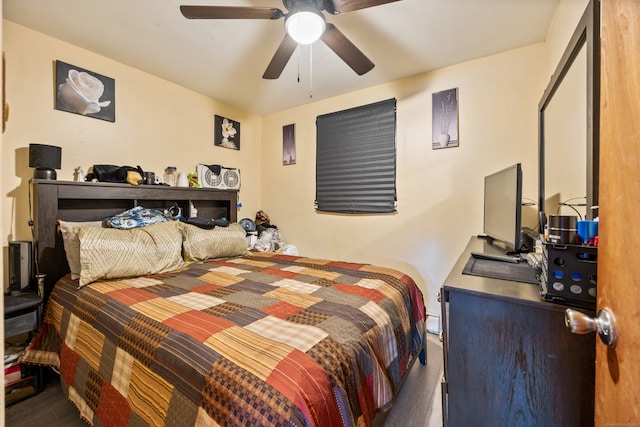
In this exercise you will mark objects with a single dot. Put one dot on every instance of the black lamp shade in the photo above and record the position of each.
(45, 159)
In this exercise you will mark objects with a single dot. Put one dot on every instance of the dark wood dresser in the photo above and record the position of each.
(508, 358)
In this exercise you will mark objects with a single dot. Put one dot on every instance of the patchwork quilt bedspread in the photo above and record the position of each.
(264, 339)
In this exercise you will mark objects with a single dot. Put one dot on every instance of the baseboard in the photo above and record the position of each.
(433, 324)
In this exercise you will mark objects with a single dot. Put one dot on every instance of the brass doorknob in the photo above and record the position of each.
(604, 324)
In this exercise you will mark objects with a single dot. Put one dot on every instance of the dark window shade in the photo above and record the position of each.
(356, 159)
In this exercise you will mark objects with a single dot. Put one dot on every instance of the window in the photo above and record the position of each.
(356, 159)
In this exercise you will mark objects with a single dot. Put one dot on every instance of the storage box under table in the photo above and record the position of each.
(21, 316)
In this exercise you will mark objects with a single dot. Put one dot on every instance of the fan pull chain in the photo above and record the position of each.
(311, 71)
(298, 50)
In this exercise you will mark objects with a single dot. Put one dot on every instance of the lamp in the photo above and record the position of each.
(45, 159)
(305, 26)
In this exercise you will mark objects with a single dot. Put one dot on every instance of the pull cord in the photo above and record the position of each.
(311, 71)
(298, 53)
(310, 67)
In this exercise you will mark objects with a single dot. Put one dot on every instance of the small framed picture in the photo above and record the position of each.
(84, 92)
(226, 133)
(445, 119)
(289, 144)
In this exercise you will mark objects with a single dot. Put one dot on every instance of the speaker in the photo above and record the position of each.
(19, 265)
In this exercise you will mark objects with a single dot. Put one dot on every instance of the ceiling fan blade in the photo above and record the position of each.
(230, 12)
(346, 50)
(340, 6)
(280, 58)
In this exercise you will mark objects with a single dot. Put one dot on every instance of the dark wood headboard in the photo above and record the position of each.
(93, 201)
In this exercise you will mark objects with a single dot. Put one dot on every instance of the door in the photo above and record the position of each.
(618, 369)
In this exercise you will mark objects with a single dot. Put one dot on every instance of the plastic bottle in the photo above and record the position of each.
(170, 176)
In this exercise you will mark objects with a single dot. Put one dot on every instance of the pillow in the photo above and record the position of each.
(72, 244)
(109, 253)
(136, 217)
(200, 244)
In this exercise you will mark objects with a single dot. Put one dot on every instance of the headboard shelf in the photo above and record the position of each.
(93, 201)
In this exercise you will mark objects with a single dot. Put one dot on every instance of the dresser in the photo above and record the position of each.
(508, 358)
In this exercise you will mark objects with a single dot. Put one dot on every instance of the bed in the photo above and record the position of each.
(231, 338)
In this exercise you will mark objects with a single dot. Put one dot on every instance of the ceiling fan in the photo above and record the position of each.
(304, 24)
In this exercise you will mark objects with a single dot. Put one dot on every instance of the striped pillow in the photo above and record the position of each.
(72, 244)
(109, 253)
(201, 244)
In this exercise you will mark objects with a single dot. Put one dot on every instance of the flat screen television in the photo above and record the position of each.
(503, 208)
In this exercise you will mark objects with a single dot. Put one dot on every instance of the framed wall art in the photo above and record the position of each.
(84, 92)
(445, 119)
(289, 144)
(226, 133)
(5, 105)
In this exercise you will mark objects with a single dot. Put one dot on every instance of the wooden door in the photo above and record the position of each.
(618, 369)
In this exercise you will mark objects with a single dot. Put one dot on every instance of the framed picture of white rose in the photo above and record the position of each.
(84, 92)
(226, 133)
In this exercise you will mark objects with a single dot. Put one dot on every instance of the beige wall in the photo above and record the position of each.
(157, 124)
(439, 191)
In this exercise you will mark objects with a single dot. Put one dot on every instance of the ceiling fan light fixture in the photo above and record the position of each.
(305, 27)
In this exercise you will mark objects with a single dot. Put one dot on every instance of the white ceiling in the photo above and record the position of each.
(225, 59)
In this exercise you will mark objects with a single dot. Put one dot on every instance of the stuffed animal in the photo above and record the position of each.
(134, 177)
(263, 222)
(262, 219)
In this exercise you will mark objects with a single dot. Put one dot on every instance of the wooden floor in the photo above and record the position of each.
(417, 405)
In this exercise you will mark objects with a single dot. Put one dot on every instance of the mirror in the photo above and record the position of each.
(568, 120)
(565, 135)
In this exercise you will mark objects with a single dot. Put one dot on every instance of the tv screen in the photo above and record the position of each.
(503, 207)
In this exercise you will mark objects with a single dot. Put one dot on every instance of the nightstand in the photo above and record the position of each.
(22, 316)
